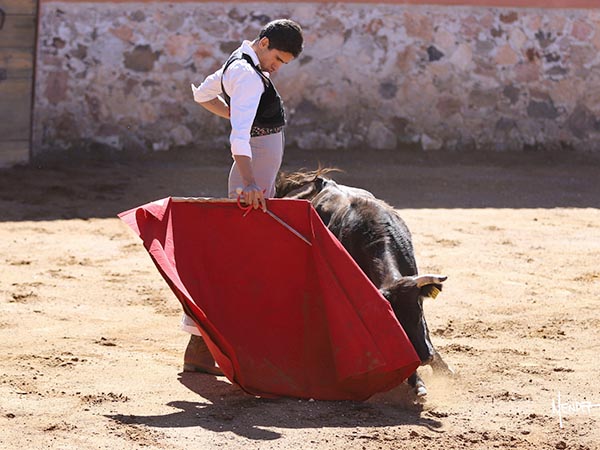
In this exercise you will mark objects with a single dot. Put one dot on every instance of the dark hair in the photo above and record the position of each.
(284, 35)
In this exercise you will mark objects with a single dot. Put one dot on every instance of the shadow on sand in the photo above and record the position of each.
(224, 407)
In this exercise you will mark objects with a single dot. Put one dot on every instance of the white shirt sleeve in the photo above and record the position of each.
(245, 87)
(209, 89)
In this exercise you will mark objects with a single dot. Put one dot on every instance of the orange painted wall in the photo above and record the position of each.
(567, 4)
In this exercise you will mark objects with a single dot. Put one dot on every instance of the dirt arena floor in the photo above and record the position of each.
(91, 352)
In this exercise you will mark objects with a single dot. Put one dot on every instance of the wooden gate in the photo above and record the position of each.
(17, 54)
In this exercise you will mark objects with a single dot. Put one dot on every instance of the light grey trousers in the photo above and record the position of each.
(267, 154)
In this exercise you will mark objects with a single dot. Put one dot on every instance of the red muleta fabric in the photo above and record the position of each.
(281, 317)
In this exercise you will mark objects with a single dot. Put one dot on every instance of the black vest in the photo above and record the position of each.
(270, 113)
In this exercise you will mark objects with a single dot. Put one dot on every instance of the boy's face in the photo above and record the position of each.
(271, 59)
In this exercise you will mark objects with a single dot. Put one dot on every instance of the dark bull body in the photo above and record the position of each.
(380, 243)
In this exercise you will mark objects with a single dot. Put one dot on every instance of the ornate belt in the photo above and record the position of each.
(259, 131)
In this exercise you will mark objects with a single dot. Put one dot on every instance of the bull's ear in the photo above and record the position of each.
(399, 290)
(319, 182)
(430, 285)
(431, 290)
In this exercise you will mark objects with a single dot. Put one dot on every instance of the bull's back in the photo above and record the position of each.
(370, 230)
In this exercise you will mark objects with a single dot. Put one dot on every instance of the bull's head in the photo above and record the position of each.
(406, 297)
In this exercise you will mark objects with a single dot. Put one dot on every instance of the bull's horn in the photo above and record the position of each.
(424, 280)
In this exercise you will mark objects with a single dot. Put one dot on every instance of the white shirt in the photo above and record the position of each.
(245, 87)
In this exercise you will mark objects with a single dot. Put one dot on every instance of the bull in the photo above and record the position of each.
(379, 241)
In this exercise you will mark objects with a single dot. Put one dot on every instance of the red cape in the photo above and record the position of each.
(281, 317)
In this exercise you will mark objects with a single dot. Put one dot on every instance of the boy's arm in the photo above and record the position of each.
(217, 106)
(252, 194)
(208, 95)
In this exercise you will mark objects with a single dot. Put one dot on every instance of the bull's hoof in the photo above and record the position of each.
(420, 389)
(418, 385)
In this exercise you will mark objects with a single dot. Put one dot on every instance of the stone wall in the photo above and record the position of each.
(385, 76)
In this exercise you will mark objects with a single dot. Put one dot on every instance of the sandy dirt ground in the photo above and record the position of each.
(91, 352)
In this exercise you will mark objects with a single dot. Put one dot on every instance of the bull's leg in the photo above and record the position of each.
(439, 366)
(417, 384)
